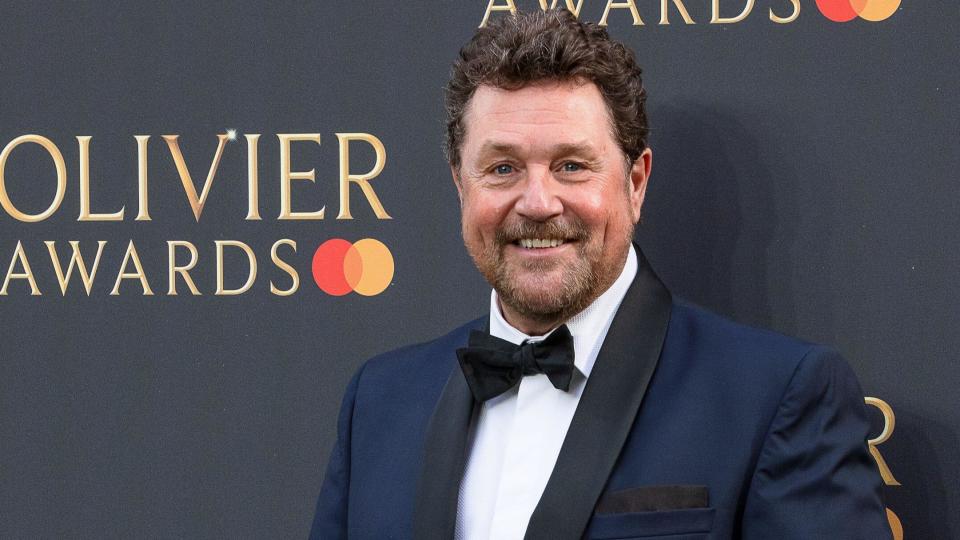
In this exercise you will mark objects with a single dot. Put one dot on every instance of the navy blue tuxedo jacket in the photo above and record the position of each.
(765, 434)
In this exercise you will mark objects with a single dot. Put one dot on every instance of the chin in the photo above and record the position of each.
(556, 296)
(541, 300)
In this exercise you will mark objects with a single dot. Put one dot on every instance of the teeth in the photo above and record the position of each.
(534, 243)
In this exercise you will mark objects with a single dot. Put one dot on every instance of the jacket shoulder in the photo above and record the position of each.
(738, 352)
(698, 324)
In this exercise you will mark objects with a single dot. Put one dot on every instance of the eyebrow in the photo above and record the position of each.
(580, 148)
(492, 147)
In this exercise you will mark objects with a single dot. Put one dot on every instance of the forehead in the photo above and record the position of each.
(564, 111)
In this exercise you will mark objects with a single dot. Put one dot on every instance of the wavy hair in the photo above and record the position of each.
(544, 46)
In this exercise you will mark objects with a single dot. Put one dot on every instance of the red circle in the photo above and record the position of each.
(837, 10)
(328, 267)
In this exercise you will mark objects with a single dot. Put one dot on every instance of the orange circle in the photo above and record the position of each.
(365, 267)
(875, 10)
(377, 267)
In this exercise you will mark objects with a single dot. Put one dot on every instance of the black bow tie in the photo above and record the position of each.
(492, 365)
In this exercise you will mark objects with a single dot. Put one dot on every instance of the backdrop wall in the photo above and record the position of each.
(804, 180)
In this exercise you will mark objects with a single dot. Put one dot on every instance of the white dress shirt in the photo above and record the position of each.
(516, 436)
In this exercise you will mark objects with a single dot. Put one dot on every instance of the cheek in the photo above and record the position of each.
(606, 212)
(486, 209)
(481, 217)
(598, 202)
(596, 208)
(602, 193)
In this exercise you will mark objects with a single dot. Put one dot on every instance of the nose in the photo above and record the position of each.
(539, 200)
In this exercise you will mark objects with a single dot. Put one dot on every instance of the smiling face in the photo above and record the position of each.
(549, 200)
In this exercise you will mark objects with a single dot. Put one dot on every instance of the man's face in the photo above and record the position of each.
(549, 200)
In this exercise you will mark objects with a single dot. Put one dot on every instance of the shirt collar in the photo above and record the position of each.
(588, 328)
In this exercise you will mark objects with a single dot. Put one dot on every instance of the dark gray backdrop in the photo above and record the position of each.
(804, 180)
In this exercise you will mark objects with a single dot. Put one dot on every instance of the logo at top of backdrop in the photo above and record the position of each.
(847, 10)
(720, 11)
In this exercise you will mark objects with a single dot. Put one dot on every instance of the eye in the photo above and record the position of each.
(571, 167)
(503, 169)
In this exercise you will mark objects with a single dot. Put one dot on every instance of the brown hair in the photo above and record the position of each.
(550, 45)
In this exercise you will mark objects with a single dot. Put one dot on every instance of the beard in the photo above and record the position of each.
(548, 290)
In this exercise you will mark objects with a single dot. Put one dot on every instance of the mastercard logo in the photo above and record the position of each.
(364, 267)
(847, 10)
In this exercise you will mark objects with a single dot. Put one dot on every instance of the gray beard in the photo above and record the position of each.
(583, 281)
(580, 287)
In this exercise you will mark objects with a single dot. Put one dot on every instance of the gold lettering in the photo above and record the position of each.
(889, 422)
(131, 254)
(27, 274)
(895, 526)
(173, 269)
(85, 214)
(665, 8)
(630, 4)
(143, 197)
(492, 6)
(788, 19)
(285, 267)
(575, 9)
(361, 180)
(61, 167)
(253, 177)
(251, 274)
(717, 19)
(286, 175)
(196, 203)
(76, 259)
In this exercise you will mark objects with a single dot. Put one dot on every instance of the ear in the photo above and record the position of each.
(456, 181)
(639, 175)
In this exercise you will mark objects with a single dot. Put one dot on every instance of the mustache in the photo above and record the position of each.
(512, 232)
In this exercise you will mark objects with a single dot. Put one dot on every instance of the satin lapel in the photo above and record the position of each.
(607, 409)
(444, 458)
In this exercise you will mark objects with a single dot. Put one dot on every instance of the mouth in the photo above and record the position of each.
(539, 243)
(542, 241)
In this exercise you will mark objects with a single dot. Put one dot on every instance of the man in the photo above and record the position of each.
(590, 403)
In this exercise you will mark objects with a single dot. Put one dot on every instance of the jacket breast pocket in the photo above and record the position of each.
(686, 524)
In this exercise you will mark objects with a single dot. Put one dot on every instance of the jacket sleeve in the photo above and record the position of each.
(815, 477)
(330, 519)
